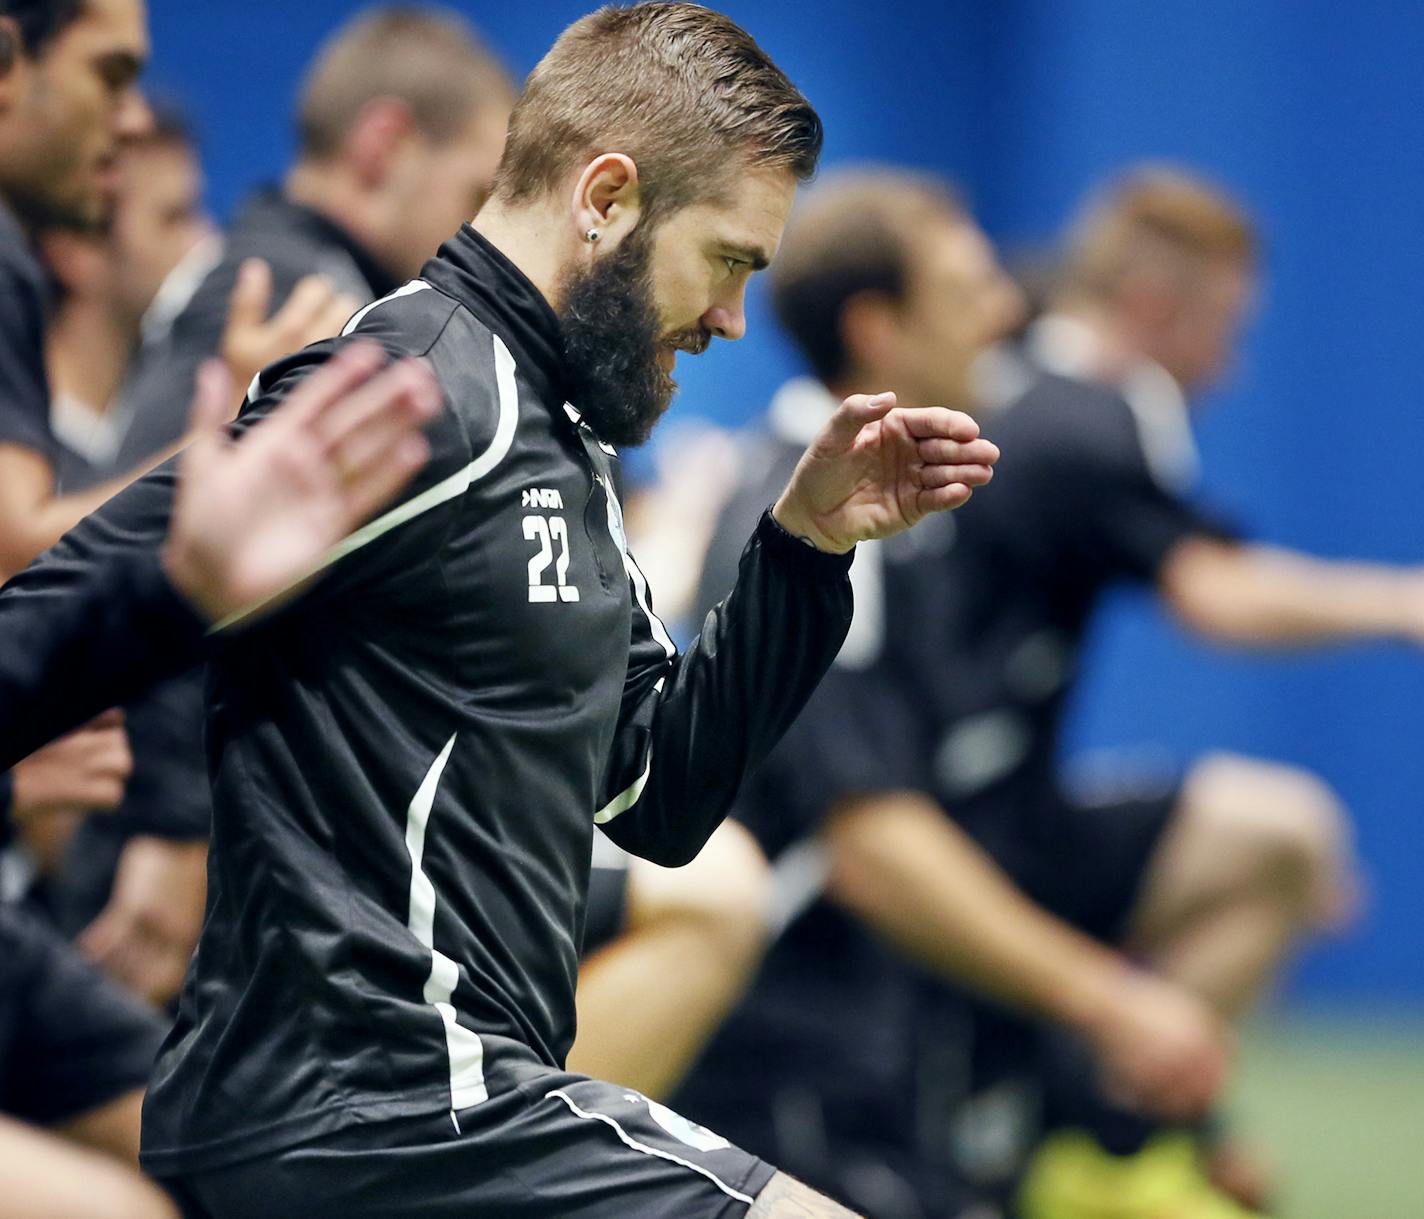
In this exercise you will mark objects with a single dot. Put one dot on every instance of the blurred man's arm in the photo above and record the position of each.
(690, 944)
(33, 518)
(118, 605)
(1261, 595)
(920, 882)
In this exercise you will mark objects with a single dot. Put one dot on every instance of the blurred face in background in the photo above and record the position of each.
(1194, 325)
(957, 301)
(67, 112)
(158, 218)
(433, 187)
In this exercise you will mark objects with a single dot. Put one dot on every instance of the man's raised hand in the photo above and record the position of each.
(877, 469)
(252, 518)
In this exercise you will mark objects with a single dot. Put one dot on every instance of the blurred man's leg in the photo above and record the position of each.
(688, 943)
(45, 1177)
(1257, 855)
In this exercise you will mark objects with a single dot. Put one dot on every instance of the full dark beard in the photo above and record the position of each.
(611, 335)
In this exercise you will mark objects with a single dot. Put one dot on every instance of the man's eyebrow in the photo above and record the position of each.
(753, 254)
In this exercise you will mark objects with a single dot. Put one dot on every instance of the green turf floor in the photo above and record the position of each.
(1339, 1102)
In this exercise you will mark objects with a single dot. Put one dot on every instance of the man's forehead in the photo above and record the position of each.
(114, 27)
(754, 216)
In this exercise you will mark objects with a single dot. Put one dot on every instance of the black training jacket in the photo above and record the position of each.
(408, 762)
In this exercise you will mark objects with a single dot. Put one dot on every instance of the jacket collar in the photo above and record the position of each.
(469, 268)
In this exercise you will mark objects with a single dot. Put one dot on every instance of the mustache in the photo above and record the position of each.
(694, 341)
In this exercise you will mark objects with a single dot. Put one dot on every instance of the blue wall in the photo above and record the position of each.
(1310, 109)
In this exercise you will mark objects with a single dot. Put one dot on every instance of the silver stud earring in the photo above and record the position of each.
(591, 236)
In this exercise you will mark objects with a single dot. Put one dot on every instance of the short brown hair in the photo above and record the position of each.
(429, 58)
(1152, 213)
(681, 89)
(854, 232)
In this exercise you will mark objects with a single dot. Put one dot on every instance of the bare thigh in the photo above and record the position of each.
(786, 1198)
(44, 1177)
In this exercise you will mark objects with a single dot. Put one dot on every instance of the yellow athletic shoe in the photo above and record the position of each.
(1072, 1177)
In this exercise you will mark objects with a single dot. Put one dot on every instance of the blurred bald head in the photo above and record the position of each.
(884, 282)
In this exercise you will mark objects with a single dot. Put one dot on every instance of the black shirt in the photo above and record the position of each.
(24, 305)
(409, 761)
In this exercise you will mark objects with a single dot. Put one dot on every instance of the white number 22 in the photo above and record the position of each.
(547, 531)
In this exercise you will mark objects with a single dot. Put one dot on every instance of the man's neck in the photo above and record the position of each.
(523, 235)
(328, 191)
(1112, 354)
(88, 351)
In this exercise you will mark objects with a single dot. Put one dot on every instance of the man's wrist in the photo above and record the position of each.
(799, 526)
(1095, 993)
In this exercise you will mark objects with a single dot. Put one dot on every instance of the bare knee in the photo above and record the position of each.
(1284, 826)
(786, 1198)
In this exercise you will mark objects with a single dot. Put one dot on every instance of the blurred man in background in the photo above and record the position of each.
(131, 885)
(74, 1050)
(1208, 882)
(883, 279)
(400, 123)
(1233, 864)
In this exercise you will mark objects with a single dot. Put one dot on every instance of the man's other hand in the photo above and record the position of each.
(876, 470)
(1161, 1049)
(83, 772)
(145, 936)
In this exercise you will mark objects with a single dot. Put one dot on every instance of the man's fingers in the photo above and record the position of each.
(207, 419)
(856, 411)
(931, 477)
(928, 422)
(942, 499)
(407, 391)
(374, 485)
(309, 299)
(372, 439)
(333, 318)
(940, 451)
(352, 366)
(251, 294)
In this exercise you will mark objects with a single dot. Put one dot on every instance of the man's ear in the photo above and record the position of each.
(607, 202)
(372, 141)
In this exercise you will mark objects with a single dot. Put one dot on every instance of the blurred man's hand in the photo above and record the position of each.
(252, 340)
(1161, 1048)
(146, 934)
(253, 518)
(83, 772)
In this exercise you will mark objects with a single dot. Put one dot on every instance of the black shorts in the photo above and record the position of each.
(560, 1146)
(71, 1040)
(1085, 861)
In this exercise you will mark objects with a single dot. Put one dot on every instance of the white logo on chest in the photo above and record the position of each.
(542, 497)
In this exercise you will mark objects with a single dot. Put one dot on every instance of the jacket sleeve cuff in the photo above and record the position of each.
(802, 555)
